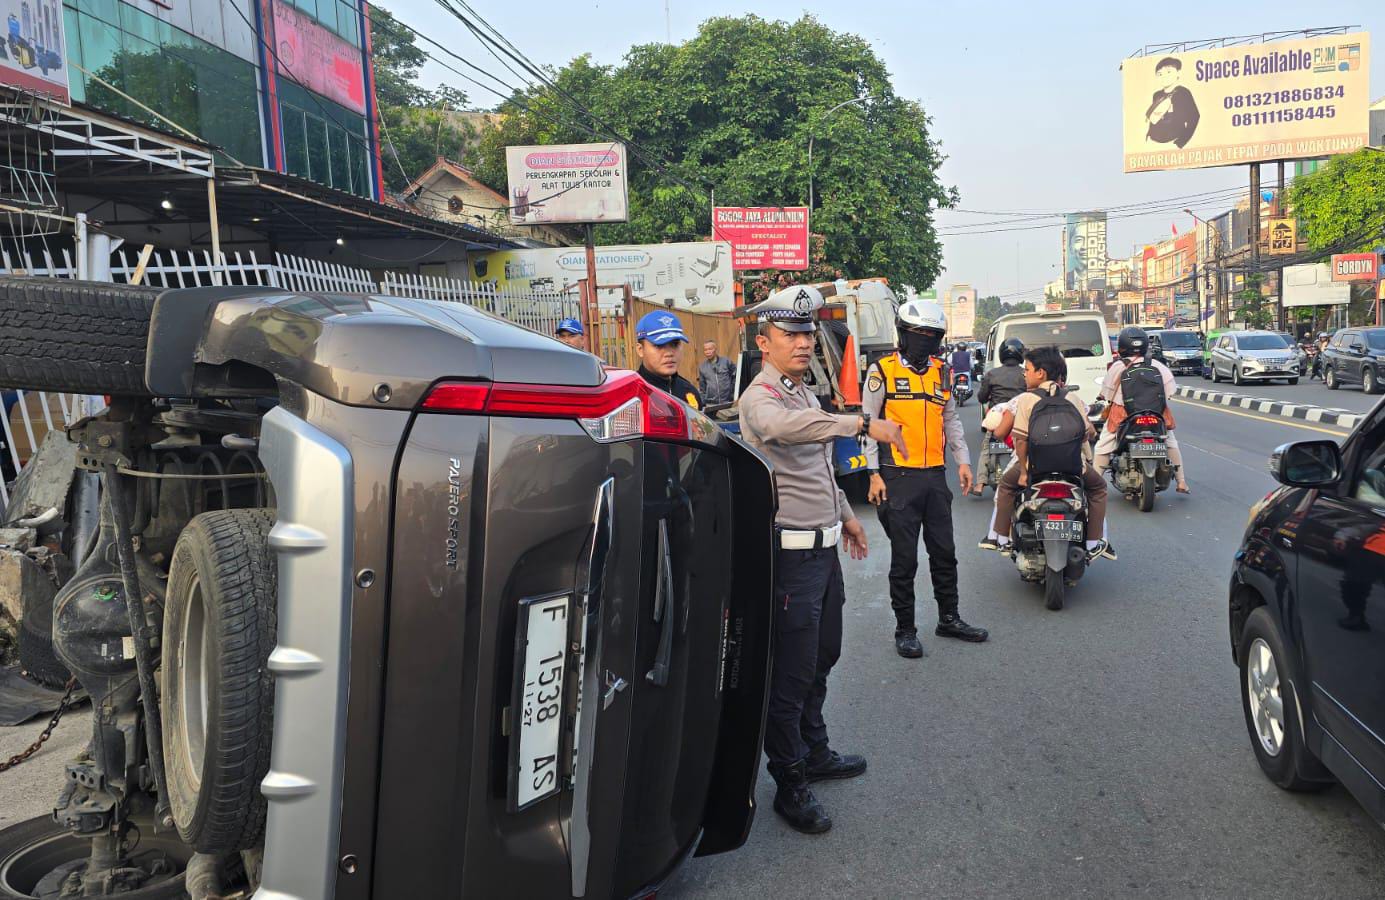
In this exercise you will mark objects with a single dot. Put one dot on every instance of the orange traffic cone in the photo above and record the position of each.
(849, 379)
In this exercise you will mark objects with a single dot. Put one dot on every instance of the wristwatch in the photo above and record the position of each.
(865, 425)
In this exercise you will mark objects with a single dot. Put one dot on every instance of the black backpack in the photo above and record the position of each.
(1056, 434)
(1142, 389)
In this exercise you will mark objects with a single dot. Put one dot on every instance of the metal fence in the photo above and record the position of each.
(29, 416)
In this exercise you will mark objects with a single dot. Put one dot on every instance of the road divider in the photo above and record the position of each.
(1308, 413)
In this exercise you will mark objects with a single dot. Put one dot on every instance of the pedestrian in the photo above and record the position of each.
(716, 376)
(782, 419)
(570, 332)
(912, 388)
(659, 342)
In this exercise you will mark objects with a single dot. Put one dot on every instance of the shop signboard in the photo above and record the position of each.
(763, 237)
(567, 184)
(1247, 103)
(33, 48)
(319, 60)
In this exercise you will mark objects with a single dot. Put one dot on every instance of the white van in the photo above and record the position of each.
(1079, 333)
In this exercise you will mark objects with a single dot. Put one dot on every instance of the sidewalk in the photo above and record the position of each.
(1341, 418)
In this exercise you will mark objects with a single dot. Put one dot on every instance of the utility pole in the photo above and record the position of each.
(1279, 273)
(1254, 221)
(668, 23)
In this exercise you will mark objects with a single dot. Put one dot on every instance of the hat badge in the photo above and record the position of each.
(802, 303)
(666, 321)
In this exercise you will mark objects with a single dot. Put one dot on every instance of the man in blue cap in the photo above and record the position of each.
(659, 342)
(570, 332)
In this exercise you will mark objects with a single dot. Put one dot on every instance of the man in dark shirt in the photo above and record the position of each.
(1172, 113)
(659, 342)
(716, 376)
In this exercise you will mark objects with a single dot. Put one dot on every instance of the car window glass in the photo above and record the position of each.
(1375, 338)
(1370, 480)
(1261, 342)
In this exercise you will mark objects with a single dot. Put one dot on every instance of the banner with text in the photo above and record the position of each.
(317, 59)
(1289, 99)
(763, 237)
(33, 54)
(1355, 267)
(567, 184)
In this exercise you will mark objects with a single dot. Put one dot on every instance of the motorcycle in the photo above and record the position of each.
(1140, 468)
(995, 458)
(961, 388)
(1049, 535)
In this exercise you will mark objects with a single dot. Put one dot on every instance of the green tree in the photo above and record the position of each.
(1257, 309)
(416, 125)
(732, 110)
(988, 309)
(1341, 206)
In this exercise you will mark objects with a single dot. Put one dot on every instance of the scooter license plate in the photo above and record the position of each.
(1059, 529)
(997, 447)
(1148, 450)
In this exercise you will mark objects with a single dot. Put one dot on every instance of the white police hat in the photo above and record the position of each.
(791, 308)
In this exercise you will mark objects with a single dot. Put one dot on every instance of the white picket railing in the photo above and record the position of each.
(536, 310)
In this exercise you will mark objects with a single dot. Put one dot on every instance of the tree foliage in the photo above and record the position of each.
(1341, 207)
(731, 111)
(988, 309)
(416, 127)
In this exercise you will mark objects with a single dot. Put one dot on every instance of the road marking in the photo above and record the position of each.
(1273, 420)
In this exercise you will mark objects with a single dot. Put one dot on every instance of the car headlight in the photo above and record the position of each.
(1255, 363)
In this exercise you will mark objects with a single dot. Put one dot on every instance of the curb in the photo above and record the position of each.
(1321, 415)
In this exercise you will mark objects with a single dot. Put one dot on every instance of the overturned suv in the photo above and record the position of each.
(387, 598)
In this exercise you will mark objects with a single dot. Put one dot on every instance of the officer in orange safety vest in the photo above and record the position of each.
(913, 388)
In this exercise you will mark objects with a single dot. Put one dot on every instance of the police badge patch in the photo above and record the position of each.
(787, 382)
(803, 302)
(873, 383)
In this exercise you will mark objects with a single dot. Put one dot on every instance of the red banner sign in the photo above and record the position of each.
(317, 59)
(1355, 267)
(763, 237)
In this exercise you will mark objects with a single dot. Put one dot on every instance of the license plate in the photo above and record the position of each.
(1063, 530)
(998, 447)
(541, 664)
(1144, 450)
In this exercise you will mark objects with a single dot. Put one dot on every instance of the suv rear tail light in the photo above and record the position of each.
(1051, 491)
(623, 406)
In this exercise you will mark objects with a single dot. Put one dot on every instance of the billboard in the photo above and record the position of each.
(567, 184)
(695, 276)
(1355, 267)
(1084, 252)
(1289, 99)
(317, 59)
(959, 306)
(763, 237)
(1312, 285)
(33, 51)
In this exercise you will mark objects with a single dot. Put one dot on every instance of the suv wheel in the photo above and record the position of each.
(1270, 704)
(1370, 382)
(1329, 377)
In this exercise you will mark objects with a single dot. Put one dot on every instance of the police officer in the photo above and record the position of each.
(570, 332)
(913, 388)
(659, 343)
(781, 418)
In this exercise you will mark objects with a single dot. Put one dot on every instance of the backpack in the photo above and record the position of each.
(1057, 432)
(1142, 389)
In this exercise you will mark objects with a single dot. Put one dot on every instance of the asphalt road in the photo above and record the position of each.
(1094, 752)
(1312, 393)
(1098, 751)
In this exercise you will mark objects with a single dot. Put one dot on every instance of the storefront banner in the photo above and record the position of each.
(1288, 99)
(1355, 267)
(763, 237)
(33, 50)
(310, 55)
(570, 184)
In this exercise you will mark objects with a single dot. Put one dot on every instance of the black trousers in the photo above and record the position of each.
(808, 600)
(918, 499)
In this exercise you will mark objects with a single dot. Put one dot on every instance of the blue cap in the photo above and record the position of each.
(659, 328)
(571, 325)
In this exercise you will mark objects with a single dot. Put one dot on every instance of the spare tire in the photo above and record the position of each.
(81, 337)
(219, 626)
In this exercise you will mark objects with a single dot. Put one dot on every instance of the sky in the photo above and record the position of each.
(1025, 97)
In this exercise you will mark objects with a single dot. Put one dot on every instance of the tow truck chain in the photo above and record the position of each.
(47, 731)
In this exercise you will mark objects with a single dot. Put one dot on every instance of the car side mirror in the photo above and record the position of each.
(1307, 463)
(1358, 348)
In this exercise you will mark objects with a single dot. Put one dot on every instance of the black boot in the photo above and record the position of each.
(951, 625)
(906, 644)
(832, 765)
(794, 801)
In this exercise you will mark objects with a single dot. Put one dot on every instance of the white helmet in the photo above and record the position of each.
(922, 314)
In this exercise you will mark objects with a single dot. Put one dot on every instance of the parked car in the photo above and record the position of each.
(1356, 356)
(1307, 615)
(1180, 350)
(446, 608)
(1080, 334)
(1242, 356)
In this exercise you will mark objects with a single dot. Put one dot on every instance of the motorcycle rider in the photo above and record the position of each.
(912, 387)
(1000, 385)
(1132, 346)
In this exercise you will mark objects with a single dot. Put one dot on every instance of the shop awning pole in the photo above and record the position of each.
(216, 231)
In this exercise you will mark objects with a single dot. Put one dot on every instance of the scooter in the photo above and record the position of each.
(1140, 468)
(1049, 532)
(961, 388)
(995, 458)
